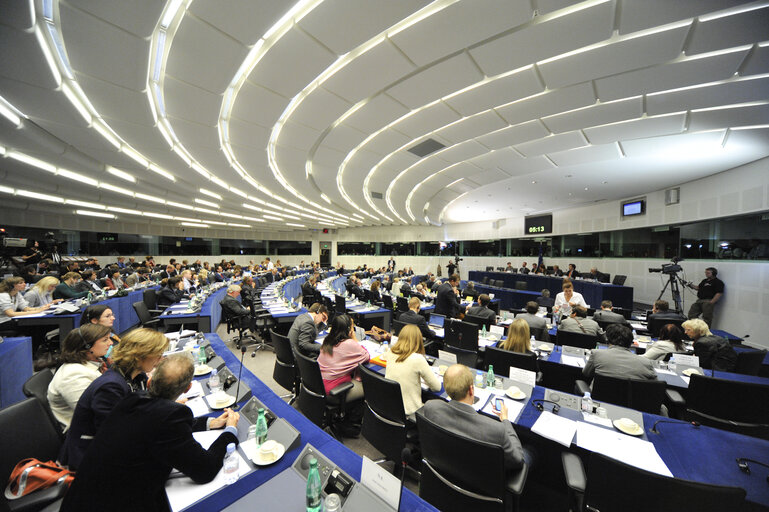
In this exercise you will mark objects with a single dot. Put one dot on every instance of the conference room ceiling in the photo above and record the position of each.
(282, 115)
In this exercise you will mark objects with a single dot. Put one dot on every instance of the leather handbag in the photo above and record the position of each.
(31, 475)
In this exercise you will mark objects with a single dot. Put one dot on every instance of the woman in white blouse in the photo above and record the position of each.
(82, 362)
(41, 293)
(406, 364)
(567, 299)
(670, 341)
(13, 303)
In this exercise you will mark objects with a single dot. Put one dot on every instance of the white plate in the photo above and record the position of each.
(635, 430)
(253, 453)
(214, 405)
(545, 348)
(691, 371)
(202, 370)
(491, 337)
(515, 393)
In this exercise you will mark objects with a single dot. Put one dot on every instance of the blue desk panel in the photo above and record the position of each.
(15, 369)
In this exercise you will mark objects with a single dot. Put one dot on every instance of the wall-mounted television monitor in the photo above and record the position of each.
(538, 225)
(634, 207)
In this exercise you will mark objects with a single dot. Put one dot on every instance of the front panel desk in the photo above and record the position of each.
(205, 320)
(279, 486)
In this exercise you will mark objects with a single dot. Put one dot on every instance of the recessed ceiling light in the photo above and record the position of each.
(533, 182)
(585, 188)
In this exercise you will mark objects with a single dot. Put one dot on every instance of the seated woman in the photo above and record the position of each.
(406, 364)
(102, 315)
(114, 281)
(340, 355)
(67, 289)
(203, 277)
(670, 340)
(376, 296)
(567, 299)
(714, 351)
(81, 362)
(133, 359)
(172, 292)
(518, 338)
(13, 304)
(41, 293)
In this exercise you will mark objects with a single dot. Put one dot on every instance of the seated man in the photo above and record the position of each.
(459, 416)
(412, 316)
(579, 323)
(605, 314)
(232, 307)
(171, 293)
(523, 269)
(545, 300)
(661, 311)
(142, 439)
(509, 267)
(618, 360)
(470, 291)
(482, 309)
(304, 330)
(534, 321)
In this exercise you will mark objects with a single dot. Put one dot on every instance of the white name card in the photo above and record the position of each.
(686, 359)
(381, 482)
(524, 376)
(447, 356)
(497, 330)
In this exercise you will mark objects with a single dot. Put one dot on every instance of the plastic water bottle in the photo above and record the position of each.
(260, 433)
(230, 465)
(490, 377)
(213, 381)
(635, 336)
(587, 403)
(533, 339)
(313, 488)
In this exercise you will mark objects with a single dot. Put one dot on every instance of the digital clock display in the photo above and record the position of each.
(538, 225)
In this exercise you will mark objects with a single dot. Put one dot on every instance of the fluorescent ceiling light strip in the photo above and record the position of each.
(157, 170)
(10, 112)
(194, 224)
(30, 160)
(77, 177)
(180, 205)
(123, 210)
(295, 225)
(79, 106)
(206, 210)
(95, 214)
(207, 203)
(231, 215)
(186, 219)
(733, 11)
(105, 132)
(48, 55)
(238, 225)
(158, 215)
(6, 190)
(201, 170)
(183, 154)
(114, 188)
(133, 155)
(211, 194)
(216, 222)
(86, 204)
(170, 13)
(37, 195)
(120, 174)
(148, 197)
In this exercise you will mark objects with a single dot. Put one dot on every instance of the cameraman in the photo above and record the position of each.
(709, 291)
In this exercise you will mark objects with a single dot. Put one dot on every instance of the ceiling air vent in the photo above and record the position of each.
(426, 147)
(377, 195)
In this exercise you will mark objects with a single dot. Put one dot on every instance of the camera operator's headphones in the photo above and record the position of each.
(713, 271)
(86, 345)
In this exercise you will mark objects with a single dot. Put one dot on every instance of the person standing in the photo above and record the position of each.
(447, 301)
(709, 292)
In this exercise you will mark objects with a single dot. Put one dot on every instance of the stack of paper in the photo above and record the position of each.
(630, 450)
(558, 429)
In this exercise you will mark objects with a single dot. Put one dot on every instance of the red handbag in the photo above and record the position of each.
(30, 475)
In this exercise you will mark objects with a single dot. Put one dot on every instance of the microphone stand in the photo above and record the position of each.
(243, 351)
(405, 457)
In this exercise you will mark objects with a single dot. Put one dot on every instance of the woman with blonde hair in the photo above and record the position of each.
(518, 337)
(406, 364)
(137, 355)
(714, 351)
(82, 353)
(42, 292)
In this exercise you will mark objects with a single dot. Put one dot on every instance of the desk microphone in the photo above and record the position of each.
(654, 430)
(405, 459)
(243, 351)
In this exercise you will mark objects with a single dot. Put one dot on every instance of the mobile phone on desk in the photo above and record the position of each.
(498, 403)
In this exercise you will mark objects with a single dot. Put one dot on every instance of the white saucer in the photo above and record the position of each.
(515, 393)
(545, 348)
(259, 461)
(214, 405)
(491, 337)
(636, 430)
(691, 371)
(202, 370)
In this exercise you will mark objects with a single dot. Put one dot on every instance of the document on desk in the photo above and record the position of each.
(624, 448)
(579, 362)
(198, 406)
(556, 428)
(183, 492)
(514, 408)
(640, 327)
(196, 389)
(184, 334)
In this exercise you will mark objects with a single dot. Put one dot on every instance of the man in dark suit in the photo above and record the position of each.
(355, 289)
(169, 272)
(308, 287)
(523, 269)
(143, 438)
(304, 330)
(482, 309)
(447, 298)
(412, 316)
(459, 416)
(661, 311)
(171, 293)
(232, 307)
(470, 291)
(605, 314)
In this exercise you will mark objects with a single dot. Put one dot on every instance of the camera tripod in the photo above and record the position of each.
(673, 281)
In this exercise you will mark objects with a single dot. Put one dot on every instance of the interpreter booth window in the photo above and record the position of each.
(356, 248)
(176, 246)
(397, 249)
(482, 248)
(657, 242)
(735, 238)
(582, 245)
(527, 247)
(289, 247)
(241, 247)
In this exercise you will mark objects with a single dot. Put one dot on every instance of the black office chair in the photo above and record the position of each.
(387, 300)
(642, 395)
(239, 324)
(613, 485)
(37, 387)
(28, 433)
(145, 318)
(403, 304)
(741, 407)
(504, 359)
(619, 279)
(466, 357)
(749, 362)
(384, 421)
(576, 339)
(485, 280)
(540, 333)
(325, 410)
(459, 334)
(460, 473)
(655, 324)
(479, 321)
(561, 377)
(285, 372)
(499, 283)
(521, 285)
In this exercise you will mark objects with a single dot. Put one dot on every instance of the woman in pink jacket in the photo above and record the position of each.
(340, 355)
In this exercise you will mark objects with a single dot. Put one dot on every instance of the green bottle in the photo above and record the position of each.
(490, 377)
(314, 503)
(261, 428)
(483, 331)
